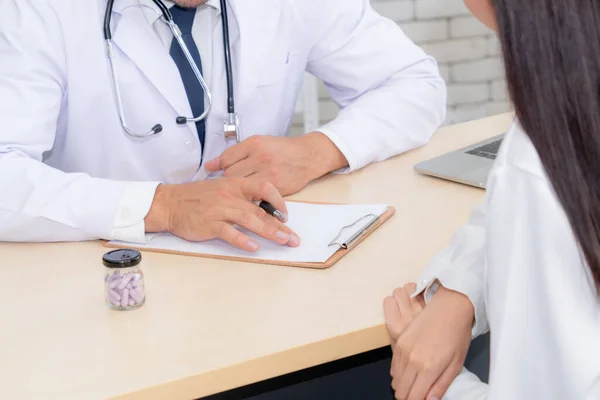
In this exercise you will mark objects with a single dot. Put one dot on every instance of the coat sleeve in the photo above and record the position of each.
(391, 95)
(38, 202)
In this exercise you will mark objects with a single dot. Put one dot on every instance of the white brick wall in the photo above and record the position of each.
(467, 52)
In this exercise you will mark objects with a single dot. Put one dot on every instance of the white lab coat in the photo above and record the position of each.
(519, 263)
(67, 170)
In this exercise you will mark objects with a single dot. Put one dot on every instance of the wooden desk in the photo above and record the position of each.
(209, 326)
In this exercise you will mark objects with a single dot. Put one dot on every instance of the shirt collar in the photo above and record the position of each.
(152, 17)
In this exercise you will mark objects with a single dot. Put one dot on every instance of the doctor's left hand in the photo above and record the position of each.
(288, 163)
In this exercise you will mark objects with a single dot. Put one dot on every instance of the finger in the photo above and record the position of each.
(269, 230)
(255, 189)
(441, 385)
(405, 382)
(416, 304)
(393, 318)
(294, 237)
(213, 165)
(252, 208)
(232, 236)
(423, 384)
(403, 300)
(410, 287)
(398, 367)
(241, 169)
(236, 153)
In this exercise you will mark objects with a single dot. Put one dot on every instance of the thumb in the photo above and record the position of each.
(440, 387)
(213, 165)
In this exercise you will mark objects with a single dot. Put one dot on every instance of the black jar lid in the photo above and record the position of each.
(122, 258)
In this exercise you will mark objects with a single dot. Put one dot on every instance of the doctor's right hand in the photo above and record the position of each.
(200, 211)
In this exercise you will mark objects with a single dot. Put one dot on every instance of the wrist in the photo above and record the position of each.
(157, 219)
(459, 303)
(321, 148)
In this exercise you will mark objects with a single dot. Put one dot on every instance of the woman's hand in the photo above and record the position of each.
(431, 350)
(400, 310)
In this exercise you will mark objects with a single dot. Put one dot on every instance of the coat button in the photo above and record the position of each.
(192, 146)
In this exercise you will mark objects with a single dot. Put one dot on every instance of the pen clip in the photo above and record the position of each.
(348, 242)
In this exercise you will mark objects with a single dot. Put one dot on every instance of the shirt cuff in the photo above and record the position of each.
(133, 207)
(339, 143)
(460, 281)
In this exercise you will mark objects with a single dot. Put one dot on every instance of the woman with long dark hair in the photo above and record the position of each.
(527, 265)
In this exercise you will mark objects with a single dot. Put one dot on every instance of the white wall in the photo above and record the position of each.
(467, 52)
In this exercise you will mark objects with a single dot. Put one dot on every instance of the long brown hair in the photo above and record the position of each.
(552, 57)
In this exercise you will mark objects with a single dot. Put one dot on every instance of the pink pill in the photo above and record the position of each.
(125, 298)
(129, 286)
(114, 295)
(114, 283)
(125, 281)
(115, 275)
(137, 295)
(114, 302)
(136, 283)
(131, 302)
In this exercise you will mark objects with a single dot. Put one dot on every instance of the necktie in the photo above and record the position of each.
(184, 19)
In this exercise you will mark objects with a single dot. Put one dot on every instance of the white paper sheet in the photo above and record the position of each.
(316, 224)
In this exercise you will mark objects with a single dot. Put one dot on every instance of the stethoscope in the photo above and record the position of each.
(232, 124)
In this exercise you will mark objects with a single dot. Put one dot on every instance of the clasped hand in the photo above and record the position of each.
(429, 343)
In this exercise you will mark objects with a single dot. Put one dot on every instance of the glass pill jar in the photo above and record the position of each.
(123, 280)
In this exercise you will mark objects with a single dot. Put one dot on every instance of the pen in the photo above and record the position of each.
(268, 207)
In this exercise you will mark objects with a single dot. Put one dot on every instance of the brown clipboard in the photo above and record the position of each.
(389, 213)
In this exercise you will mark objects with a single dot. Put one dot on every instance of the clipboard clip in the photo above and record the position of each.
(347, 243)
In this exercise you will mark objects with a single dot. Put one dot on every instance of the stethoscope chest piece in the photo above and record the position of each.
(232, 128)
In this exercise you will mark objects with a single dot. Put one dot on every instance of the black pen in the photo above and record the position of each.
(272, 211)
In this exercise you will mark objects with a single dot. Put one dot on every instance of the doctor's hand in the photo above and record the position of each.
(431, 350)
(288, 163)
(200, 211)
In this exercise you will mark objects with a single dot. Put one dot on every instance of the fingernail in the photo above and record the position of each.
(252, 245)
(282, 236)
(434, 398)
(294, 240)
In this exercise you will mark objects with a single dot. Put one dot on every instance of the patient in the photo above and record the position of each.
(527, 264)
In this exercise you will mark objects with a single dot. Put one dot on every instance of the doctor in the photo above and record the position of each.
(85, 154)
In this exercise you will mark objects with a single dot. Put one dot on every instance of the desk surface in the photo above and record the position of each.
(209, 326)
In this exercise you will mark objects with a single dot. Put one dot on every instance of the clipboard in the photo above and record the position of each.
(345, 246)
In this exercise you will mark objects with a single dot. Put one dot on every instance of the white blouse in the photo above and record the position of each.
(519, 263)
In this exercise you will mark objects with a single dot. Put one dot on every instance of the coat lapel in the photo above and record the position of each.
(136, 38)
(258, 30)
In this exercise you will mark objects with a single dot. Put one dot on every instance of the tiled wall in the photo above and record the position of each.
(467, 52)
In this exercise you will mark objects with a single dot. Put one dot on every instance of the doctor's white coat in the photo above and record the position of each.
(68, 171)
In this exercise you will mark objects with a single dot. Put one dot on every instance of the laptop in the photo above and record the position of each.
(470, 165)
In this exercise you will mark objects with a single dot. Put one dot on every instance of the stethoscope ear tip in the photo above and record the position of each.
(181, 120)
(157, 129)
